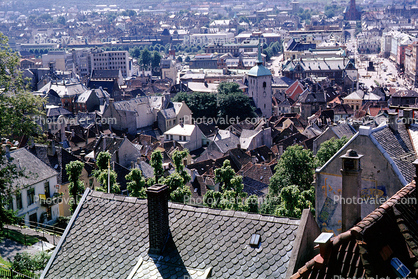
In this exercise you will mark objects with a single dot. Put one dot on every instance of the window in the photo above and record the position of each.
(19, 204)
(46, 187)
(31, 196)
(264, 84)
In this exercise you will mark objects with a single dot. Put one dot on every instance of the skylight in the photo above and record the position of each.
(255, 240)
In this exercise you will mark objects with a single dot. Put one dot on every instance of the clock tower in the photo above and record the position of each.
(259, 86)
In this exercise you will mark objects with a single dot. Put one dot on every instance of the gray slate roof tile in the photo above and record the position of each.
(399, 147)
(110, 235)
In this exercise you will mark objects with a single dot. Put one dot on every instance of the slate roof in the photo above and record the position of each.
(169, 113)
(405, 93)
(399, 147)
(138, 105)
(112, 144)
(105, 74)
(108, 236)
(57, 111)
(58, 162)
(282, 81)
(34, 169)
(254, 187)
(364, 251)
(343, 129)
(262, 153)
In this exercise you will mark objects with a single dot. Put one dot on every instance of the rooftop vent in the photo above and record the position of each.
(255, 240)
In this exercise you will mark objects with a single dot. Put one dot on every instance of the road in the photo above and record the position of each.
(276, 65)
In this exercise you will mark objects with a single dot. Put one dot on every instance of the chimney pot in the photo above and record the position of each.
(325, 244)
(51, 148)
(407, 116)
(393, 123)
(158, 225)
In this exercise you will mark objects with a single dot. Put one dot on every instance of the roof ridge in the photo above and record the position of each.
(378, 213)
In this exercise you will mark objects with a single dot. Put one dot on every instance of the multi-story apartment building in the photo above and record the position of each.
(111, 60)
(411, 64)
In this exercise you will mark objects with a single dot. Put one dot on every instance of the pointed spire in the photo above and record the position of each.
(260, 60)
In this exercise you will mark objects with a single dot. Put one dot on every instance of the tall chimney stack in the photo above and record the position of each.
(157, 218)
(407, 117)
(351, 186)
(393, 121)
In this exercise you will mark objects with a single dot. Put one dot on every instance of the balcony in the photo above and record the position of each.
(44, 201)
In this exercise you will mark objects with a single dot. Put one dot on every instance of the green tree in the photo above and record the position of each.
(156, 60)
(19, 108)
(295, 167)
(103, 160)
(270, 204)
(225, 175)
(102, 174)
(157, 164)
(293, 201)
(76, 187)
(61, 20)
(179, 59)
(180, 194)
(135, 52)
(136, 184)
(228, 88)
(187, 60)
(145, 58)
(251, 204)
(178, 160)
(28, 264)
(45, 18)
(328, 149)
(102, 178)
(235, 105)
(232, 195)
(177, 181)
(201, 104)
(212, 198)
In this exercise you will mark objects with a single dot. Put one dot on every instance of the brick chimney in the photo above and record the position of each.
(157, 218)
(351, 186)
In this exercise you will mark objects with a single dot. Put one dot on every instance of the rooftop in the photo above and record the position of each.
(108, 238)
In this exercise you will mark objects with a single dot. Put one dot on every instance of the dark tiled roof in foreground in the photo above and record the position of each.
(365, 250)
(109, 239)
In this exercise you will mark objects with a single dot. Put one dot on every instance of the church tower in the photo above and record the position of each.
(259, 86)
(352, 13)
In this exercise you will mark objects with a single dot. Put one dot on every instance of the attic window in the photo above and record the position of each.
(255, 240)
(261, 177)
